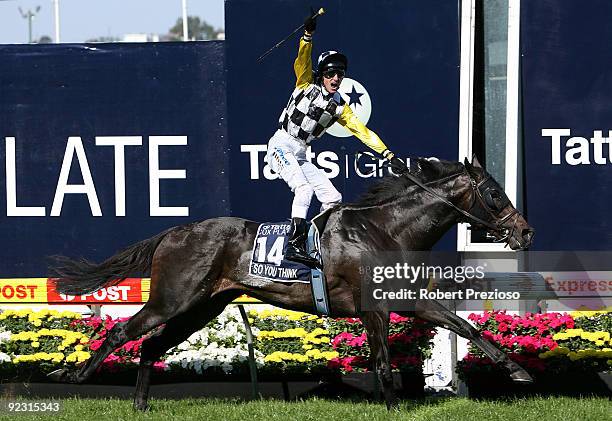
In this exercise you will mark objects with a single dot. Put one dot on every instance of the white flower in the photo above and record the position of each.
(5, 336)
(222, 344)
(4, 358)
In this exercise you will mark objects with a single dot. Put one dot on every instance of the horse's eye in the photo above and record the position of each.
(495, 200)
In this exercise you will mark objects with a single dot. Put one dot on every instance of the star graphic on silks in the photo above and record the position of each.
(354, 97)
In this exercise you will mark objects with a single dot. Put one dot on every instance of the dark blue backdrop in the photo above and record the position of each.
(566, 82)
(405, 53)
(51, 92)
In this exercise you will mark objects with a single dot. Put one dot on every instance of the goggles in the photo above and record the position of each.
(328, 74)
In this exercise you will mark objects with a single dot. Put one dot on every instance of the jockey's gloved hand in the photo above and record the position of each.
(398, 166)
(310, 24)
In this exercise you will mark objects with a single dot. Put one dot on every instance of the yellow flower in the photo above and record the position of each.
(78, 356)
(330, 354)
(35, 344)
(589, 313)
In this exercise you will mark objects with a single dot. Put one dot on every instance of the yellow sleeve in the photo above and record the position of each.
(349, 120)
(303, 64)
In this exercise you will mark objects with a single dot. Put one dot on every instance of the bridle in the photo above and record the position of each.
(482, 194)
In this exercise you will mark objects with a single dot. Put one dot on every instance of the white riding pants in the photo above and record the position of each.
(287, 157)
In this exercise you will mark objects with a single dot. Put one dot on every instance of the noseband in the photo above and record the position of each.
(482, 193)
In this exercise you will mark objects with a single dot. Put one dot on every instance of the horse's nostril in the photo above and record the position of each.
(528, 234)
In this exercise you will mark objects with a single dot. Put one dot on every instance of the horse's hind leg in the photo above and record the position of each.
(154, 313)
(436, 313)
(175, 331)
(377, 328)
(142, 322)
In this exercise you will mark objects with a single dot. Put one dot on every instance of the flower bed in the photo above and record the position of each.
(290, 343)
(553, 346)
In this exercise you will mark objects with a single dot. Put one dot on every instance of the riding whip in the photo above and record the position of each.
(314, 16)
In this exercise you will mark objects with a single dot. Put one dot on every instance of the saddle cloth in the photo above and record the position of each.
(268, 257)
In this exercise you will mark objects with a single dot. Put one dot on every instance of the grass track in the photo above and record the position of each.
(540, 409)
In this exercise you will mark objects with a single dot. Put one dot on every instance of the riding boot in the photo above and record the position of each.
(296, 249)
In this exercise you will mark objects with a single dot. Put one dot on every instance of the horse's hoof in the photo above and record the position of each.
(142, 406)
(62, 376)
(520, 376)
(393, 404)
(518, 373)
(57, 375)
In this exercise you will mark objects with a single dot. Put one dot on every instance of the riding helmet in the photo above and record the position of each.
(331, 60)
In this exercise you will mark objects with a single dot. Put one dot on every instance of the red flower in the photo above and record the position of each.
(342, 337)
(396, 318)
(357, 340)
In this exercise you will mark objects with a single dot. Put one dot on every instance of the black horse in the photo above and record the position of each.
(198, 269)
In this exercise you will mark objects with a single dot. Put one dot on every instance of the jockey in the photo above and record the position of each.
(313, 107)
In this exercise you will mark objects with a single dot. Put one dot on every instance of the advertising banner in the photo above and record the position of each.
(18, 291)
(102, 145)
(42, 291)
(567, 121)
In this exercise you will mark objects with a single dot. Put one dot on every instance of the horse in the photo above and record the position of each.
(197, 269)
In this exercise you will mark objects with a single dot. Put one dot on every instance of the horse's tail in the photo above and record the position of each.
(77, 277)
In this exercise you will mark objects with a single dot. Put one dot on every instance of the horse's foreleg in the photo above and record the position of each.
(377, 328)
(174, 332)
(436, 313)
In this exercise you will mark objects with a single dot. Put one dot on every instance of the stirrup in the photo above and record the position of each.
(296, 255)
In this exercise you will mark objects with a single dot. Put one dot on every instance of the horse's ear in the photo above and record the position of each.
(469, 166)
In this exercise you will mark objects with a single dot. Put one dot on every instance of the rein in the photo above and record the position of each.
(496, 227)
(467, 214)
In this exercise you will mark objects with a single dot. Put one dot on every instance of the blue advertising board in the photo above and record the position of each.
(403, 72)
(567, 117)
(106, 144)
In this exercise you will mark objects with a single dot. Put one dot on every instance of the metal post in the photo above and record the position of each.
(185, 23)
(252, 364)
(29, 15)
(57, 21)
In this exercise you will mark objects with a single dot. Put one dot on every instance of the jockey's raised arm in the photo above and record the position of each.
(303, 63)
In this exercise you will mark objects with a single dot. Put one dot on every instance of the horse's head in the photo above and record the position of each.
(489, 203)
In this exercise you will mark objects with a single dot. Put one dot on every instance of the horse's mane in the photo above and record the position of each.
(390, 187)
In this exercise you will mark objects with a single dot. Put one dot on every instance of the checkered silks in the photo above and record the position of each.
(309, 113)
